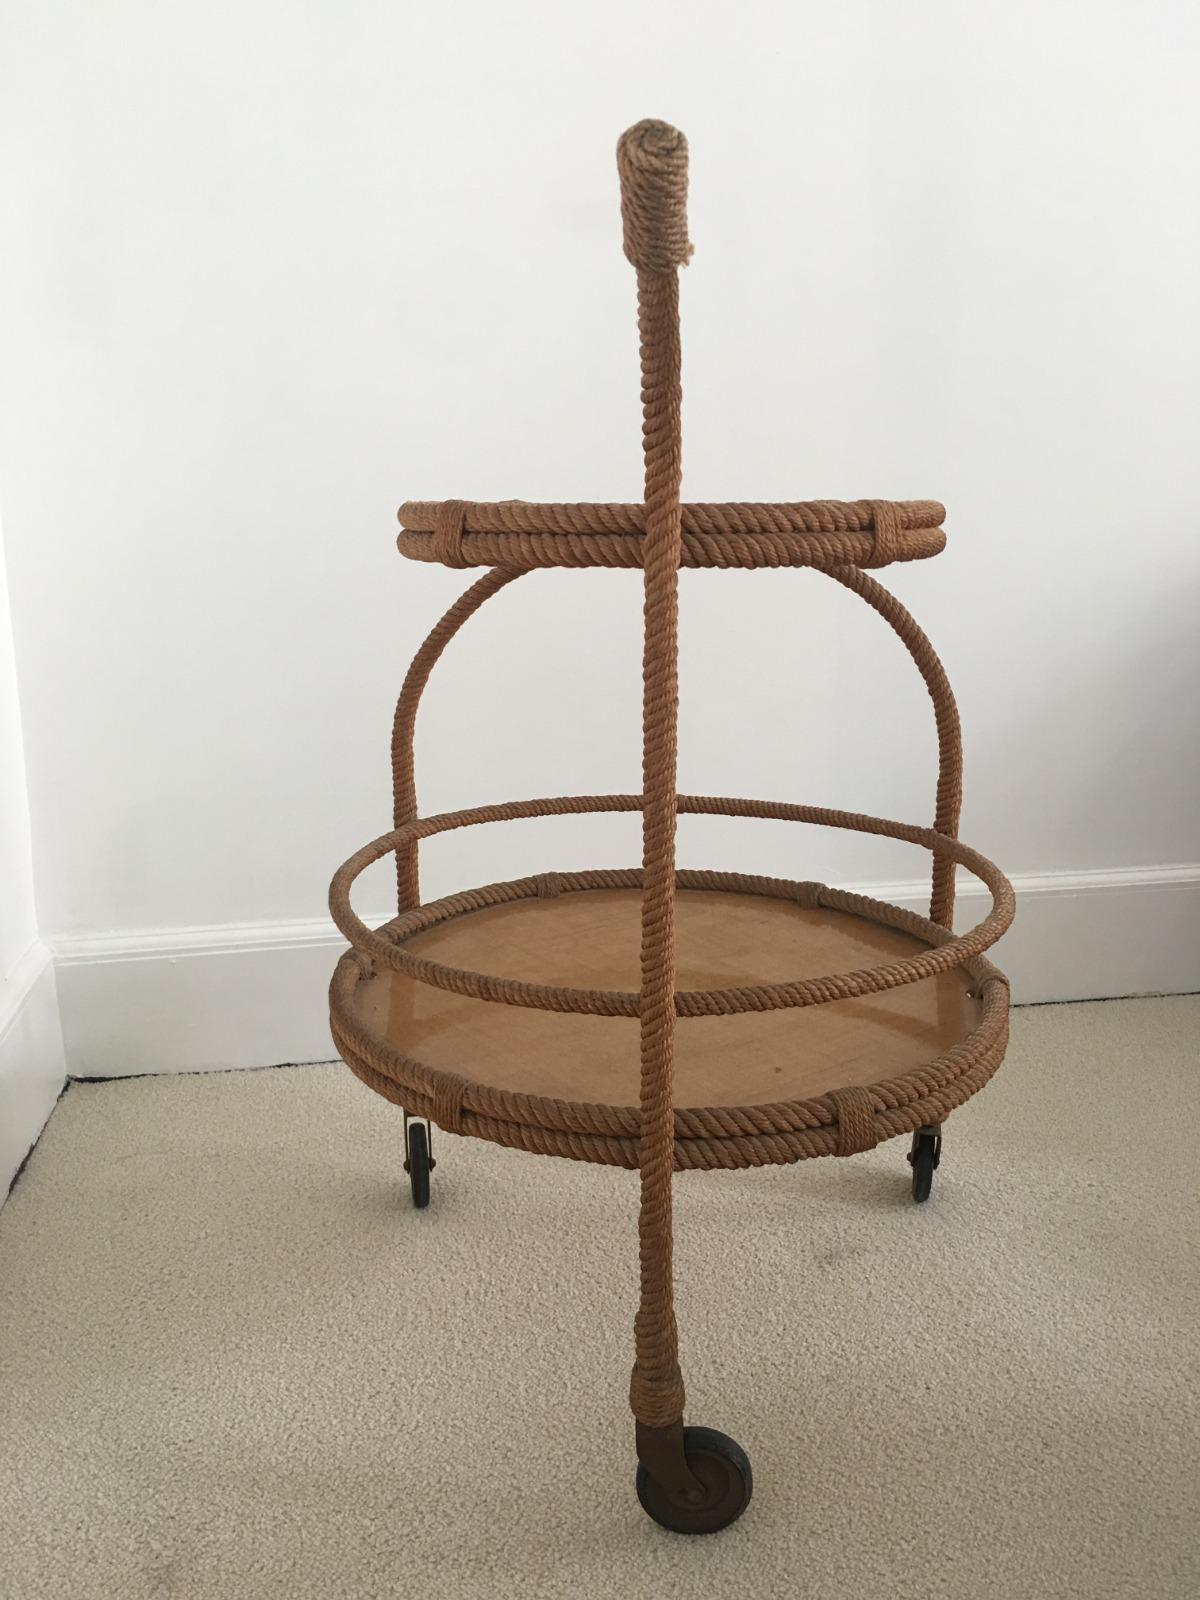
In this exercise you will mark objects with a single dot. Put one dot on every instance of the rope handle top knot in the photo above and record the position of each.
(652, 159)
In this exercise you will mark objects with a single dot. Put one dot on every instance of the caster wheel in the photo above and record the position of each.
(418, 1165)
(924, 1157)
(721, 1465)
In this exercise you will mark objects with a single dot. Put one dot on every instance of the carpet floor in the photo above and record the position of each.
(235, 1364)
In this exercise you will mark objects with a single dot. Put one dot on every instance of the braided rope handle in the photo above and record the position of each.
(652, 162)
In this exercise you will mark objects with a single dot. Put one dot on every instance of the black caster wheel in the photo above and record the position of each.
(723, 1468)
(924, 1157)
(418, 1162)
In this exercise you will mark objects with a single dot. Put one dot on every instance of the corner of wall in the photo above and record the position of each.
(32, 1059)
(33, 1066)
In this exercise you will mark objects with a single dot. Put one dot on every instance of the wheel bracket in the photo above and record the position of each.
(661, 1452)
(429, 1138)
(933, 1131)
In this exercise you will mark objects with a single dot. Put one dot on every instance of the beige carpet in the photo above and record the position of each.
(236, 1364)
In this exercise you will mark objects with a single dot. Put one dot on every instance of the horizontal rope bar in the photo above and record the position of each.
(748, 516)
(817, 533)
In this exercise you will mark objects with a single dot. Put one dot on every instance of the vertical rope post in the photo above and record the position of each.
(652, 160)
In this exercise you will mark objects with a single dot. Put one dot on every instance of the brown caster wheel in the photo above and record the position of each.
(722, 1468)
(418, 1163)
(924, 1158)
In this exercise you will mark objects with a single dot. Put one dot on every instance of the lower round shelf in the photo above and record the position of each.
(397, 1027)
(591, 940)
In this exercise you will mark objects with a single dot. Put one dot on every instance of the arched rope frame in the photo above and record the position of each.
(948, 804)
(404, 723)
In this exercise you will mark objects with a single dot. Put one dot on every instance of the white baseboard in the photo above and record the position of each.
(32, 1063)
(254, 994)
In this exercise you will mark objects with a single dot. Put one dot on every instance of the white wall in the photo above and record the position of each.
(275, 267)
(32, 1068)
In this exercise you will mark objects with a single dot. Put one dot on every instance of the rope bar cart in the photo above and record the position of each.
(775, 1019)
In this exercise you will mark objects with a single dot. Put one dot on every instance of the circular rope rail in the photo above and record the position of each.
(815, 533)
(953, 952)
